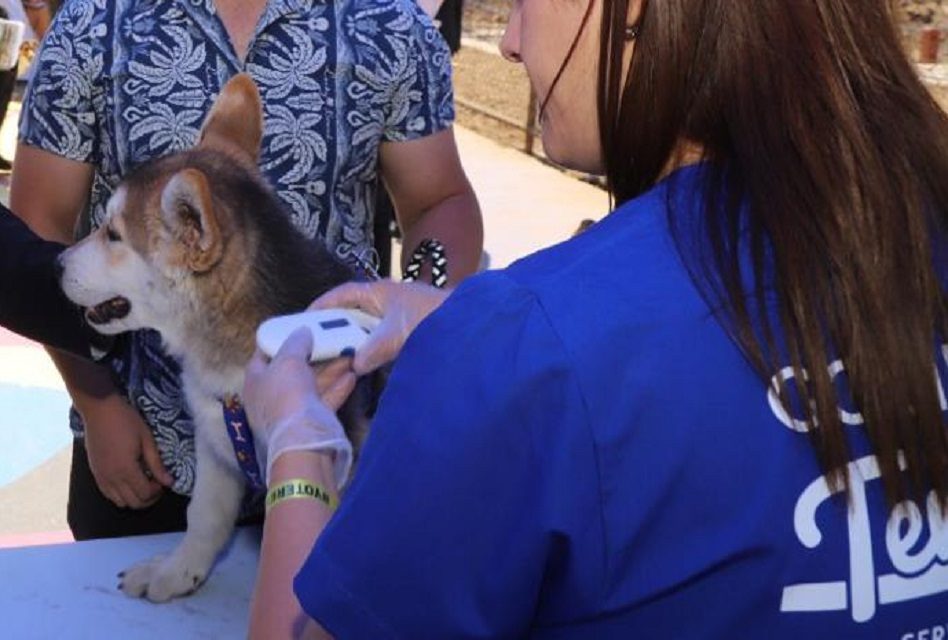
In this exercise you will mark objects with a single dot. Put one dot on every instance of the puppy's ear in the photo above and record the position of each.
(188, 211)
(236, 119)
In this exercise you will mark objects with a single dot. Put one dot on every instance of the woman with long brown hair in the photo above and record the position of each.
(719, 412)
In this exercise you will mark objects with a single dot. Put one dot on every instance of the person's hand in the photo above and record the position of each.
(401, 306)
(292, 407)
(122, 454)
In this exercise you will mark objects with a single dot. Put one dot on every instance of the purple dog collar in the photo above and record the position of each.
(238, 428)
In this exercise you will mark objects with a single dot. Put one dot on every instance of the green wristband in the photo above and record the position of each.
(300, 488)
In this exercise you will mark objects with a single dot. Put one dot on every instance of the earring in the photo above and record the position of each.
(631, 32)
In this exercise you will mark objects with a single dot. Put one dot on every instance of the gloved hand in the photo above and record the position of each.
(292, 407)
(401, 306)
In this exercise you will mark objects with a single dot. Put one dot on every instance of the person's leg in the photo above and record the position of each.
(91, 515)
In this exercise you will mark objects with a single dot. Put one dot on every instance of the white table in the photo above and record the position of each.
(70, 591)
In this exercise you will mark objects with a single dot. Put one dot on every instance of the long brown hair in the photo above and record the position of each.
(827, 165)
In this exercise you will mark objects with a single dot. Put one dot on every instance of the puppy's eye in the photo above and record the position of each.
(112, 234)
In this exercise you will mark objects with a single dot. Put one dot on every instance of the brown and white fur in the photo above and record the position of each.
(197, 246)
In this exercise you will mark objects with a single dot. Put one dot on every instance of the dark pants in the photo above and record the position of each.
(7, 84)
(450, 15)
(91, 515)
(385, 229)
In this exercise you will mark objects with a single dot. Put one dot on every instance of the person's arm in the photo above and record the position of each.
(48, 192)
(301, 439)
(418, 157)
(289, 531)
(477, 479)
(434, 200)
(119, 444)
(31, 300)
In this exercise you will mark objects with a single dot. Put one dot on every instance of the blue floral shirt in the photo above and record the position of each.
(119, 82)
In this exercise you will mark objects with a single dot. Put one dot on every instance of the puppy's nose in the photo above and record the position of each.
(58, 268)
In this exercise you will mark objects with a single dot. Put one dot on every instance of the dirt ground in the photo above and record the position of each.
(485, 19)
(487, 82)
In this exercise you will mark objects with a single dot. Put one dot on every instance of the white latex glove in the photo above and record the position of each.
(401, 306)
(292, 407)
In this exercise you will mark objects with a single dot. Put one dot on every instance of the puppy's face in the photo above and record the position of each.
(109, 276)
(141, 268)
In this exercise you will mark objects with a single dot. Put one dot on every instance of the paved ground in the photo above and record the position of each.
(527, 205)
(34, 458)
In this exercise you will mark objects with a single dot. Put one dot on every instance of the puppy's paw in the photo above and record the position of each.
(161, 579)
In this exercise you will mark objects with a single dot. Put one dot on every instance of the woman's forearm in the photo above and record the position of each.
(289, 532)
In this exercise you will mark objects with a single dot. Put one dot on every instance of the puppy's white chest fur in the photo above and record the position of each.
(204, 392)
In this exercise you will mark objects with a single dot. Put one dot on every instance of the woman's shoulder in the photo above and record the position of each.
(492, 332)
(573, 297)
(490, 302)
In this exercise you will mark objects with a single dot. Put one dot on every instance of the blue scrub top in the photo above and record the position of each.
(574, 448)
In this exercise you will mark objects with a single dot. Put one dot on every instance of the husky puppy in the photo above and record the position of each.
(197, 246)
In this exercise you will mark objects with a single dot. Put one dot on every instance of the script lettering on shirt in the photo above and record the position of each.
(937, 632)
(916, 542)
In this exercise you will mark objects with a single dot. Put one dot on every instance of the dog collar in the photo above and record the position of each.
(238, 428)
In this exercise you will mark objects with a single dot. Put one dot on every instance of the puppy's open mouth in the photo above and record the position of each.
(113, 309)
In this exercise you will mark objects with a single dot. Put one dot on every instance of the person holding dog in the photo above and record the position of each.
(719, 412)
(352, 90)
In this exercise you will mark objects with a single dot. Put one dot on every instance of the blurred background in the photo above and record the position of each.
(493, 96)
